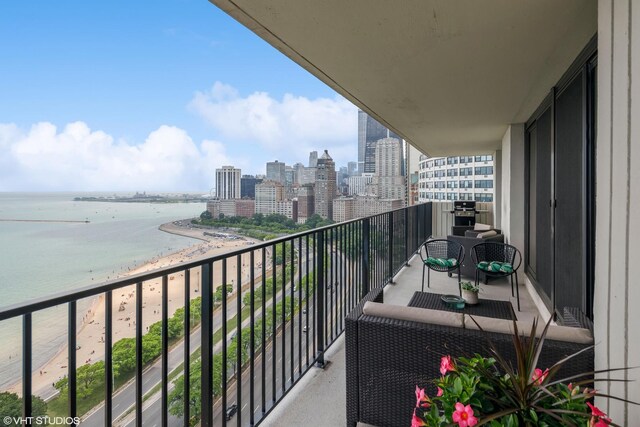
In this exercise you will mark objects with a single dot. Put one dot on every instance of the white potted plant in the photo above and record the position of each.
(470, 292)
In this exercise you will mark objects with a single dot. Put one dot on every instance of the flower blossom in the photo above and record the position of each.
(446, 365)
(439, 392)
(595, 411)
(463, 415)
(416, 421)
(422, 400)
(539, 376)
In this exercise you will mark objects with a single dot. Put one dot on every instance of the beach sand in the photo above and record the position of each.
(90, 336)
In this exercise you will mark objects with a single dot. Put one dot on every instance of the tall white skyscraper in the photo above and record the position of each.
(228, 182)
(388, 177)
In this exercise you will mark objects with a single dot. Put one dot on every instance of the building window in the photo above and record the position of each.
(466, 159)
(440, 174)
(452, 196)
(484, 197)
(484, 183)
(466, 171)
(430, 174)
(466, 196)
(484, 170)
(439, 196)
(452, 160)
(484, 158)
(452, 172)
(440, 184)
(466, 184)
(452, 184)
(429, 164)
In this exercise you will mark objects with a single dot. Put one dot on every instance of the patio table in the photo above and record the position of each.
(485, 307)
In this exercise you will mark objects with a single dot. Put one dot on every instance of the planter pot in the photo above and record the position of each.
(470, 297)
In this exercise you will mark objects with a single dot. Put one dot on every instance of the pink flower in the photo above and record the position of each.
(601, 422)
(595, 411)
(539, 376)
(422, 400)
(570, 386)
(439, 392)
(416, 421)
(446, 365)
(464, 416)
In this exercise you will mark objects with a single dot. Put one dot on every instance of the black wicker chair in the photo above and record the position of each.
(500, 252)
(441, 249)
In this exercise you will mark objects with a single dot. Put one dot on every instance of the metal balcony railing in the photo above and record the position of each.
(257, 336)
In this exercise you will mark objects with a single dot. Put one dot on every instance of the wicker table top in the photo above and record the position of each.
(485, 307)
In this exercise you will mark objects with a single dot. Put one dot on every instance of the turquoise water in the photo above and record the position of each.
(40, 259)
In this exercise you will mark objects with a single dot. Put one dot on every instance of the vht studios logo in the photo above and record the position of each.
(41, 421)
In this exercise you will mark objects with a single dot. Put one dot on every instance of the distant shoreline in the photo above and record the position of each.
(86, 221)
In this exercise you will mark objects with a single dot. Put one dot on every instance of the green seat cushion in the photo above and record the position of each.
(441, 262)
(496, 267)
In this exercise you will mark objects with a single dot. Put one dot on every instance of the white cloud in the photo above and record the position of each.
(77, 158)
(287, 129)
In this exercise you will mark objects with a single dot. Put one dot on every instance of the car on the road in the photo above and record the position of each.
(231, 411)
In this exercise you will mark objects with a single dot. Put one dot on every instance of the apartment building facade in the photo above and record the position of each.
(456, 178)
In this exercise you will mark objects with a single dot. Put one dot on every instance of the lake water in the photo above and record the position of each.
(42, 258)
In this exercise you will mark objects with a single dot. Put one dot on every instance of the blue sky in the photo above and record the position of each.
(143, 95)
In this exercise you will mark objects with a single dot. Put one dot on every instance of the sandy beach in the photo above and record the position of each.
(90, 337)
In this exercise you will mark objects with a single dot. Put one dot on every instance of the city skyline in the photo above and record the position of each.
(155, 99)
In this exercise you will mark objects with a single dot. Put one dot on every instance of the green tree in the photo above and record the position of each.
(89, 377)
(124, 356)
(11, 406)
(206, 215)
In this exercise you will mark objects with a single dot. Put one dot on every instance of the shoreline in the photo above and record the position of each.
(90, 332)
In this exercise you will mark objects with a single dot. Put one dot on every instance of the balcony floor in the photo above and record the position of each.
(319, 398)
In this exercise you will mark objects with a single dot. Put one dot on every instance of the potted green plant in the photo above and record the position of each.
(470, 292)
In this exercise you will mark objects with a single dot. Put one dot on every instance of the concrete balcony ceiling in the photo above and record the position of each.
(448, 76)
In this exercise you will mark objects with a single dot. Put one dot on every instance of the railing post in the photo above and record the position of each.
(366, 226)
(406, 236)
(206, 337)
(320, 247)
(390, 246)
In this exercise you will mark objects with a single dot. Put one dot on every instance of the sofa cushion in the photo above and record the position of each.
(481, 227)
(413, 314)
(486, 234)
(555, 332)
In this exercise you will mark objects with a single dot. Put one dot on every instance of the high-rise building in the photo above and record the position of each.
(306, 202)
(390, 184)
(248, 186)
(370, 131)
(352, 168)
(268, 195)
(228, 183)
(325, 186)
(275, 171)
(313, 159)
(358, 184)
(456, 178)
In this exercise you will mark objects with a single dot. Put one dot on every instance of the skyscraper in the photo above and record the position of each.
(275, 171)
(228, 182)
(248, 186)
(370, 131)
(325, 188)
(313, 159)
(389, 166)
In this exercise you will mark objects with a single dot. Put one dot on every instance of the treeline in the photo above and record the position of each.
(176, 397)
(262, 226)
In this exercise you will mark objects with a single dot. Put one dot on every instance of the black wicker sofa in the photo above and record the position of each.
(387, 357)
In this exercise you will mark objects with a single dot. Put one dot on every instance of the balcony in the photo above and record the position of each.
(292, 295)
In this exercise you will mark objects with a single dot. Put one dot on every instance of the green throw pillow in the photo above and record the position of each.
(441, 262)
(496, 267)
